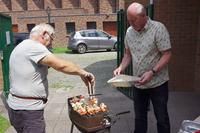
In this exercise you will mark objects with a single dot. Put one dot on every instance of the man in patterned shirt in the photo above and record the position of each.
(148, 47)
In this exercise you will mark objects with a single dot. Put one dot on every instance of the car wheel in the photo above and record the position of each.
(81, 48)
(115, 46)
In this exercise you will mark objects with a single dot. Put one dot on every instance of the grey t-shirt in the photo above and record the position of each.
(28, 78)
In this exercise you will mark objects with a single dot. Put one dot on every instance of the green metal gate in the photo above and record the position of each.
(6, 47)
(122, 25)
(121, 31)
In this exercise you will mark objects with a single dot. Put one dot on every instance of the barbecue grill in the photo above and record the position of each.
(98, 123)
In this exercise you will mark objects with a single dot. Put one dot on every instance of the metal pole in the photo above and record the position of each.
(151, 2)
(49, 18)
(151, 9)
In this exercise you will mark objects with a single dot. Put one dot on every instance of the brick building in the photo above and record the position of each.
(65, 15)
(181, 17)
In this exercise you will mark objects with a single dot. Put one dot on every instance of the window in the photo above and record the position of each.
(82, 34)
(101, 34)
(39, 3)
(58, 3)
(91, 25)
(70, 27)
(97, 7)
(114, 6)
(75, 3)
(90, 34)
(30, 27)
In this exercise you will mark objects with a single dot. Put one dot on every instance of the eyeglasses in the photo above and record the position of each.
(52, 36)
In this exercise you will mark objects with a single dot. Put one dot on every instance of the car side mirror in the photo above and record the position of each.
(109, 37)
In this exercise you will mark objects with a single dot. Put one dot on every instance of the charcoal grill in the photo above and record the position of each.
(98, 123)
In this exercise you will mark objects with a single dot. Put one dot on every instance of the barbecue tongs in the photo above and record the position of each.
(91, 89)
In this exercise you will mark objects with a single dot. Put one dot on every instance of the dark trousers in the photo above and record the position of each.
(27, 121)
(159, 98)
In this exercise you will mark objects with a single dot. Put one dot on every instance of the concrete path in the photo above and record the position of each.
(182, 105)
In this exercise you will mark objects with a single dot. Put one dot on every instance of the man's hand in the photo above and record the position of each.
(117, 71)
(125, 62)
(88, 79)
(145, 78)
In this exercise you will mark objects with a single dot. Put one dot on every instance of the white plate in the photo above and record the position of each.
(123, 80)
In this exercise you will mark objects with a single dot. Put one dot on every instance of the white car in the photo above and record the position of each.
(84, 40)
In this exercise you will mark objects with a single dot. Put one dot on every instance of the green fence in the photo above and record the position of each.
(6, 47)
(122, 25)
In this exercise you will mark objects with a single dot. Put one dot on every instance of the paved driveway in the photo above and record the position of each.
(182, 105)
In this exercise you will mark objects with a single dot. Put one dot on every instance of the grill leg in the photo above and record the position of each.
(72, 128)
(107, 130)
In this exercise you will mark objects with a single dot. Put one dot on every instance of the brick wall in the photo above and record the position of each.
(5, 5)
(106, 6)
(81, 22)
(35, 4)
(89, 5)
(70, 4)
(78, 11)
(181, 19)
(53, 4)
(50, 3)
(19, 5)
(121, 4)
(128, 2)
(197, 66)
(59, 17)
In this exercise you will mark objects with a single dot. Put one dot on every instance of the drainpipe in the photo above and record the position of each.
(151, 9)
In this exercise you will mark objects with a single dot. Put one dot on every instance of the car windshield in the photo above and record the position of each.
(102, 34)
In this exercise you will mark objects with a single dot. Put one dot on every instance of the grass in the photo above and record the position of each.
(61, 85)
(61, 50)
(4, 124)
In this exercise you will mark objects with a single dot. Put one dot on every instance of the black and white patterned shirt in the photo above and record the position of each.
(146, 47)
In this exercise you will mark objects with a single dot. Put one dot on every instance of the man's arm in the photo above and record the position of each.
(125, 62)
(61, 65)
(67, 67)
(164, 60)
